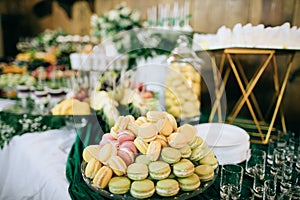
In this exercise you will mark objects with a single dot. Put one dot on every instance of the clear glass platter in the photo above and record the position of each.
(180, 196)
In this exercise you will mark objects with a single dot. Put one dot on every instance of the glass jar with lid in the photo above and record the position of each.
(183, 83)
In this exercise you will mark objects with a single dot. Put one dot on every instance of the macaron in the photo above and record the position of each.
(141, 120)
(119, 185)
(154, 116)
(209, 160)
(177, 140)
(197, 141)
(153, 150)
(125, 135)
(148, 131)
(90, 152)
(126, 155)
(170, 155)
(173, 121)
(159, 170)
(122, 122)
(137, 171)
(92, 168)
(142, 159)
(199, 152)
(118, 165)
(164, 126)
(107, 138)
(129, 145)
(141, 145)
(142, 189)
(189, 183)
(162, 139)
(183, 168)
(205, 172)
(133, 127)
(106, 152)
(189, 131)
(102, 177)
(185, 151)
(167, 187)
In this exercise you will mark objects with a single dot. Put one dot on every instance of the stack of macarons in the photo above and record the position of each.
(149, 155)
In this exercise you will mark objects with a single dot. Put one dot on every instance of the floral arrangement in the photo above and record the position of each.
(119, 19)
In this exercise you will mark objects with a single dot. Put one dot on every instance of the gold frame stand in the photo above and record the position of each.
(261, 129)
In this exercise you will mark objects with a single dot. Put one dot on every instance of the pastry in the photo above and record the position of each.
(183, 168)
(170, 155)
(119, 185)
(142, 159)
(148, 131)
(197, 141)
(92, 168)
(177, 140)
(189, 183)
(90, 152)
(205, 172)
(172, 121)
(129, 145)
(142, 189)
(162, 140)
(185, 151)
(159, 170)
(137, 171)
(125, 135)
(167, 187)
(118, 166)
(209, 160)
(106, 152)
(155, 116)
(164, 126)
(126, 155)
(199, 152)
(153, 150)
(102, 177)
(141, 145)
(189, 131)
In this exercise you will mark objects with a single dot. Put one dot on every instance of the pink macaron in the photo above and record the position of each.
(126, 155)
(125, 135)
(108, 138)
(130, 146)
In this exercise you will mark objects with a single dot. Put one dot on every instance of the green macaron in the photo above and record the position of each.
(159, 170)
(189, 183)
(119, 185)
(183, 168)
(142, 189)
(167, 187)
(143, 159)
(205, 172)
(137, 171)
(170, 155)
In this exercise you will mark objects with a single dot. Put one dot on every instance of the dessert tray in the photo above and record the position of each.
(181, 195)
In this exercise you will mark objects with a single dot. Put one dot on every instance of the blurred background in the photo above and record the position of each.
(27, 18)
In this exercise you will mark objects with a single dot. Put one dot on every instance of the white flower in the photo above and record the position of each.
(135, 16)
(125, 11)
(113, 15)
(100, 20)
(125, 23)
(94, 20)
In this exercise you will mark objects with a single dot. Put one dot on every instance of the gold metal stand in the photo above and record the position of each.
(247, 86)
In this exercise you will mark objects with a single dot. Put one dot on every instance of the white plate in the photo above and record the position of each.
(222, 135)
(232, 154)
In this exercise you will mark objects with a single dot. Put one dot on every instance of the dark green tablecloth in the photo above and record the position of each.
(92, 135)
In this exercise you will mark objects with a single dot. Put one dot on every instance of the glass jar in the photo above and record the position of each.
(183, 83)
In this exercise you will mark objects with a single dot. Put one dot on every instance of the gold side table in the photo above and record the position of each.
(262, 128)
